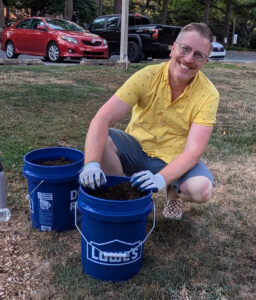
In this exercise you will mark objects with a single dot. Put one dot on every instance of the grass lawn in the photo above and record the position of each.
(210, 254)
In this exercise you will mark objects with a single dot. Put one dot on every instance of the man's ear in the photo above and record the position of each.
(172, 49)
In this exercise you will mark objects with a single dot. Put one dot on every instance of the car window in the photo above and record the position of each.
(36, 22)
(112, 22)
(58, 24)
(98, 24)
(131, 21)
(137, 20)
(144, 21)
(25, 24)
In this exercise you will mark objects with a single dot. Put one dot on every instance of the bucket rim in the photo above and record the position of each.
(29, 163)
(82, 190)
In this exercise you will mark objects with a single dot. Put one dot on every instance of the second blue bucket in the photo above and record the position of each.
(113, 233)
(53, 190)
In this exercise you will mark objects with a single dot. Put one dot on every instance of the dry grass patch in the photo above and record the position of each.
(29, 77)
(23, 273)
(210, 254)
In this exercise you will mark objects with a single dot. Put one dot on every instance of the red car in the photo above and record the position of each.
(55, 39)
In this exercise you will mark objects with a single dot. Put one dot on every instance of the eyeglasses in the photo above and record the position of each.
(186, 49)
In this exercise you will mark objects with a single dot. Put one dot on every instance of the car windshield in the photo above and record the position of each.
(57, 24)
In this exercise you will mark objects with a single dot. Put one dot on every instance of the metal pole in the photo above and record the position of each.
(124, 33)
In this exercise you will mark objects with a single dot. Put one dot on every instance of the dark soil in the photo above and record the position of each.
(122, 191)
(57, 162)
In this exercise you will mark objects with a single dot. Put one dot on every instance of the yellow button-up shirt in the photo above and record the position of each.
(159, 125)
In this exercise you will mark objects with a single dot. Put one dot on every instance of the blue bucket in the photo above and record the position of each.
(113, 233)
(53, 190)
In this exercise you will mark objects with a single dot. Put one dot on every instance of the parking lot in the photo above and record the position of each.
(231, 56)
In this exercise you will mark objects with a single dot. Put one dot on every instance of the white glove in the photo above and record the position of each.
(92, 176)
(145, 180)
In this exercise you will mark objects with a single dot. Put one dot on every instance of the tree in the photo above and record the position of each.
(183, 12)
(2, 21)
(39, 8)
(99, 6)
(164, 11)
(68, 11)
(117, 6)
(84, 11)
(227, 20)
(207, 11)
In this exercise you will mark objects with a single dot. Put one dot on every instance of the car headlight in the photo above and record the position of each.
(104, 42)
(69, 39)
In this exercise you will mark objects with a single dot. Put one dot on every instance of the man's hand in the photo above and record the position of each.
(92, 176)
(145, 180)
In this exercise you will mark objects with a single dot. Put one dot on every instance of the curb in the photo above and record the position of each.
(7, 61)
(103, 62)
(97, 62)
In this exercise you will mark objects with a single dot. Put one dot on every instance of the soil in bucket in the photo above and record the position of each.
(57, 162)
(122, 191)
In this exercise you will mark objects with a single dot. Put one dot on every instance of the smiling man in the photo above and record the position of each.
(173, 108)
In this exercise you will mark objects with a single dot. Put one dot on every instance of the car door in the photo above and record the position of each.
(98, 26)
(19, 35)
(112, 33)
(36, 38)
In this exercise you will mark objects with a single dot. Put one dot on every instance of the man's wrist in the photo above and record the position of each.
(95, 164)
(161, 181)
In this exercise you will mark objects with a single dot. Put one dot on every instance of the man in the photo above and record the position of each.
(173, 111)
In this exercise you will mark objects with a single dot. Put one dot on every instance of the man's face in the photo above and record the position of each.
(184, 67)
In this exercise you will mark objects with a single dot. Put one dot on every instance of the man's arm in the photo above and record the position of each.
(197, 140)
(109, 114)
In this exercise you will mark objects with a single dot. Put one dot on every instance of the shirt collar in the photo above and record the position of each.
(166, 71)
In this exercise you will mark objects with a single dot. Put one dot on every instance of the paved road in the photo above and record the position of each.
(238, 56)
(232, 56)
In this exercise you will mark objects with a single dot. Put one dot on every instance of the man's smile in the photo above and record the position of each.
(184, 67)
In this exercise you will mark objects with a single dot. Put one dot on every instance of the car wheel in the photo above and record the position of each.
(10, 50)
(145, 55)
(133, 52)
(53, 53)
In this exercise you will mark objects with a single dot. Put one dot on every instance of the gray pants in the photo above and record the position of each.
(134, 159)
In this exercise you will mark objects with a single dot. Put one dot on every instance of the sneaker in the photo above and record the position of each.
(173, 209)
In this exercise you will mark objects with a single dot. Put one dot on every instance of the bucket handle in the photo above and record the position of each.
(118, 254)
(28, 196)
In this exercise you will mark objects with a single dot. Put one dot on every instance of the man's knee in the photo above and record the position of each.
(206, 192)
(110, 146)
(197, 189)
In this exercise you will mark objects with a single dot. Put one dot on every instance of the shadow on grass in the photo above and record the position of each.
(180, 258)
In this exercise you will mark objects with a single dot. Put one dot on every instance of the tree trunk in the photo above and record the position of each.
(7, 13)
(2, 21)
(68, 12)
(233, 31)
(117, 6)
(227, 19)
(207, 11)
(164, 11)
(147, 9)
(99, 7)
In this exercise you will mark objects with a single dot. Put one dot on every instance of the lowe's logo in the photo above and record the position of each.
(102, 257)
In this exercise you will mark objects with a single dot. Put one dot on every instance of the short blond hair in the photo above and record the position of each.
(201, 28)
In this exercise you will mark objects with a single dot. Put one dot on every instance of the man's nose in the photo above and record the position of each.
(190, 57)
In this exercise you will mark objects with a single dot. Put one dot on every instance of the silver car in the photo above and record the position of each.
(218, 51)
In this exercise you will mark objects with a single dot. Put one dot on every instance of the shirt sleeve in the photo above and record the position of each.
(134, 88)
(206, 113)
